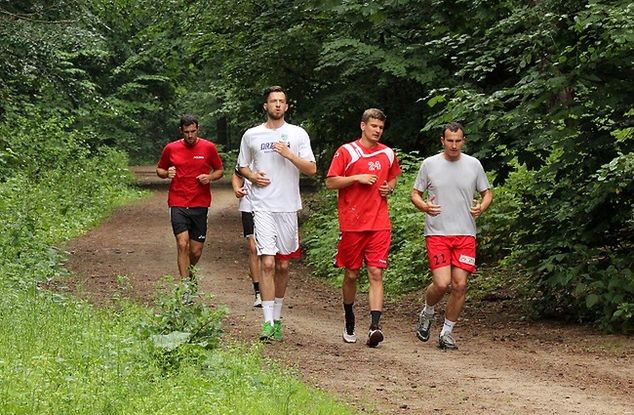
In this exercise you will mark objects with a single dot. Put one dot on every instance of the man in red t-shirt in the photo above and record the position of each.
(192, 163)
(364, 171)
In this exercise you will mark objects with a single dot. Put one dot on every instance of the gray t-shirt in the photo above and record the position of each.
(453, 186)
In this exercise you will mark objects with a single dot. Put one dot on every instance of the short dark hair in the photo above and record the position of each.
(188, 119)
(373, 113)
(453, 126)
(275, 88)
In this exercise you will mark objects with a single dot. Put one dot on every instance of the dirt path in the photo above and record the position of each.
(503, 366)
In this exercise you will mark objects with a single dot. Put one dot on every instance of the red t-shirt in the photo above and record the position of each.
(190, 162)
(361, 207)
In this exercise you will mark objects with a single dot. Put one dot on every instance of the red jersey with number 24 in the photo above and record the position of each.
(190, 162)
(361, 206)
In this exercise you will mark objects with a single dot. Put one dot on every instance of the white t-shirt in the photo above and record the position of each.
(245, 201)
(453, 186)
(256, 151)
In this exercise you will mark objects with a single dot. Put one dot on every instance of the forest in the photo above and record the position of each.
(543, 88)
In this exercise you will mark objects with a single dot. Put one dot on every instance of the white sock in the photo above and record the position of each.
(429, 310)
(267, 310)
(447, 328)
(277, 308)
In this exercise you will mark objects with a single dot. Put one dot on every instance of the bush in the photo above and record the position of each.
(51, 195)
(182, 329)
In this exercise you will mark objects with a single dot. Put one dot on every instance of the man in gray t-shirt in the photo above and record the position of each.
(451, 180)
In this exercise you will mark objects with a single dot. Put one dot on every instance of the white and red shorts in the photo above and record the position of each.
(276, 233)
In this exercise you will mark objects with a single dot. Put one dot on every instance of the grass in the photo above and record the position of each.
(60, 355)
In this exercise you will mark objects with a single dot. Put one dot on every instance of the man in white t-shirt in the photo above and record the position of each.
(272, 156)
(451, 180)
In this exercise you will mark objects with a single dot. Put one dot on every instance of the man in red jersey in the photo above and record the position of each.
(191, 163)
(364, 171)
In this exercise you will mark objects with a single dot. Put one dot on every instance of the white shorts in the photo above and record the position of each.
(276, 232)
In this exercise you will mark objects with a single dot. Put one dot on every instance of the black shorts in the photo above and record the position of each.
(192, 220)
(247, 223)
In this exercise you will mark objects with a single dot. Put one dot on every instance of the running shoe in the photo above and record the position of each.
(349, 338)
(423, 326)
(258, 301)
(374, 337)
(446, 341)
(267, 332)
(277, 331)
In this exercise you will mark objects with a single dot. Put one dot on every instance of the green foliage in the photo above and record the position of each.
(320, 234)
(182, 329)
(242, 48)
(36, 61)
(580, 254)
(408, 267)
(58, 355)
(498, 232)
(53, 189)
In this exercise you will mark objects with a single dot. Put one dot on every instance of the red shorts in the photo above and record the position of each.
(459, 251)
(355, 247)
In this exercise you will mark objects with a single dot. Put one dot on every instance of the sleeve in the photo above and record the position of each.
(338, 163)
(421, 181)
(164, 161)
(395, 169)
(305, 150)
(244, 156)
(214, 157)
(482, 182)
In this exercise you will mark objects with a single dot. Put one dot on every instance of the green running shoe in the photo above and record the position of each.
(267, 332)
(277, 330)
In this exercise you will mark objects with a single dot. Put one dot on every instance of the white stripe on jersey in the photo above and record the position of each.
(356, 153)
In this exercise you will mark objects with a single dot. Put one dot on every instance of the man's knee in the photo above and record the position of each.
(195, 251)
(351, 276)
(267, 263)
(459, 278)
(375, 275)
(441, 286)
(459, 287)
(182, 244)
(281, 266)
